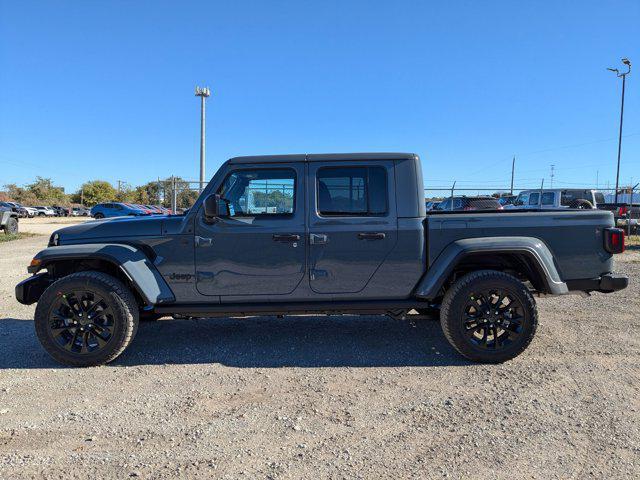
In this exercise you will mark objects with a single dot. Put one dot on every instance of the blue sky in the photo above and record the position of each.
(105, 89)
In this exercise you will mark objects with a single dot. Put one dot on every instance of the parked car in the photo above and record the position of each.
(507, 199)
(15, 207)
(80, 212)
(155, 210)
(107, 210)
(558, 199)
(468, 203)
(431, 205)
(45, 211)
(8, 220)
(60, 211)
(321, 234)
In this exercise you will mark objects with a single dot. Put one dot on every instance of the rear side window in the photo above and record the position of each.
(569, 196)
(353, 191)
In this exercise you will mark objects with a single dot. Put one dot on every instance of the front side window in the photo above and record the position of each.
(354, 191)
(259, 192)
(534, 199)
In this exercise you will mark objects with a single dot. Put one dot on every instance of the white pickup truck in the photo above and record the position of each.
(558, 198)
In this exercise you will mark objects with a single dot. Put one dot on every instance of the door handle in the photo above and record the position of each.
(203, 242)
(371, 236)
(318, 238)
(286, 238)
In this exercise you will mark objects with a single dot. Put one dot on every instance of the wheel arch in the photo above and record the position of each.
(125, 262)
(527, 257)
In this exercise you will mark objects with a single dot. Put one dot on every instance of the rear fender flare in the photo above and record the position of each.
(533, 248)
(130, 260)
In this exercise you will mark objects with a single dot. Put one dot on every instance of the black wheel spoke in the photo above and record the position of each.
(81, 322)
(493, 318)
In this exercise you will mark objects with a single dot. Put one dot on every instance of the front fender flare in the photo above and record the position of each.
(131, 260)
(533, 248)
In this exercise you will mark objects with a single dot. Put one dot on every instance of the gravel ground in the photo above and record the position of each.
(339, 397)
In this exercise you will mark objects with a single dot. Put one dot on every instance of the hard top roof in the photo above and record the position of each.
(322, 157)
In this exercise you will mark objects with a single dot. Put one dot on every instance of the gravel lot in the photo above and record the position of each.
(340, 397)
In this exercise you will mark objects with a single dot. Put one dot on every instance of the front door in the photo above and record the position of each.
(352, 223)
(259, 248)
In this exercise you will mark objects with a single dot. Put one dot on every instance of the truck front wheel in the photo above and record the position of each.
(87, 318)
(489, 316)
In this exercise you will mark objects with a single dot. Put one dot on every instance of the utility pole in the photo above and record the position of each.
(174, 202)
(120, 184)
(82, 196)
(552, 169)
(624, 78)
(203, 93)
(513, 169)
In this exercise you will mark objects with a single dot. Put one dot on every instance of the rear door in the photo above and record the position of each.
(352, 223)
(259, 248)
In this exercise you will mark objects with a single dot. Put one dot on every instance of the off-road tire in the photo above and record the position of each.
(11, 227)
(121, 301)
(452, 317)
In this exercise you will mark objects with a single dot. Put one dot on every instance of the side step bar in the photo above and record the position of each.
(291, 308)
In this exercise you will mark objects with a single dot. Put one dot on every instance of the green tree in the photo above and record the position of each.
(47, 193)
(94, 192)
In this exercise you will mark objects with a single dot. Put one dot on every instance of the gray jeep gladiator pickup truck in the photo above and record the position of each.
(317, 234)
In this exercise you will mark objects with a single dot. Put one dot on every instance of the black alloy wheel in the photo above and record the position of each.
(86, 318)
(489, 316)
(81, 321)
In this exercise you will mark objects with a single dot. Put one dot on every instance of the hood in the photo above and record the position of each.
(118, 227)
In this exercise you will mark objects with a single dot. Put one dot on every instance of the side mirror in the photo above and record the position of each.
(215, 207)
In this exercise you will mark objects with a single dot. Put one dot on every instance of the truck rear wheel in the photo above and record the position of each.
(86, 318)
(489, 316)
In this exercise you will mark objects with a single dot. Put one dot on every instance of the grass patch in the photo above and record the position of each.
(19, 236)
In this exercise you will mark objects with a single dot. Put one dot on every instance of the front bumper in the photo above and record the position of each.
(607, 283)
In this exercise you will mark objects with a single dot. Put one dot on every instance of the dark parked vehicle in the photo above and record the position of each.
(317, 234)
(468, 203)
(8, 220)
(15, 207)
(61, 211)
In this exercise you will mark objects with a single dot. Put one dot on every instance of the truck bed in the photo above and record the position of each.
(574, 237)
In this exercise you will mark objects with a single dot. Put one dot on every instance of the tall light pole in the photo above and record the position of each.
(202, 93)
(624, 78)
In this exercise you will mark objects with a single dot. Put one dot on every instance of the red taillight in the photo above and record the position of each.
(614, 240)
(622, 211)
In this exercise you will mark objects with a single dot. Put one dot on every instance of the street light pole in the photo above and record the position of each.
(624, 78)
(202, 93)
